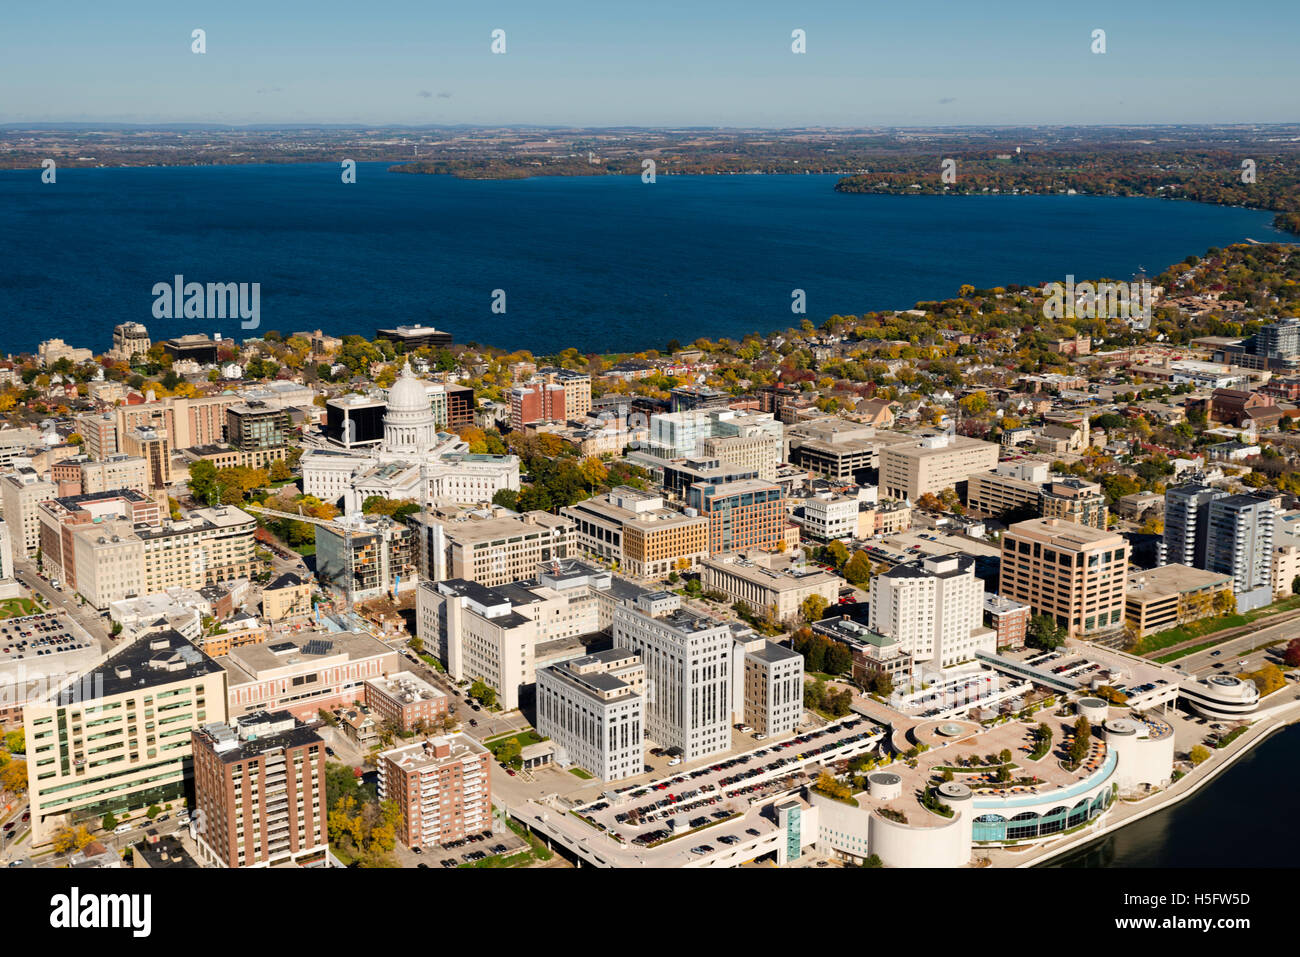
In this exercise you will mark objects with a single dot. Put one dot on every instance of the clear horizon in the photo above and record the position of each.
(583, 65)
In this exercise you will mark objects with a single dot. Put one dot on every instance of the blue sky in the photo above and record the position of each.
(666, 63)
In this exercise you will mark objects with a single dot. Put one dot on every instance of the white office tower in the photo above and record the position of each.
(934, 610)
(687, 664)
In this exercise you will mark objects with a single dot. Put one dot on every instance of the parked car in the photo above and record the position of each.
(124, 829)
(674, 761)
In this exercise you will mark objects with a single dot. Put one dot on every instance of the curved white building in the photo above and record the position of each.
(1094, 709)
(1220, 696)
(1145, 751)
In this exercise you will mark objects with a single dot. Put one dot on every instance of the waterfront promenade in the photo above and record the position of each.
(1266, 722)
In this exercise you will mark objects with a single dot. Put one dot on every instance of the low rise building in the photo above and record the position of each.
(1161, 598)
(772, 585)
(1008, 618)
(286, 597)
(305, 672)
(406, 700)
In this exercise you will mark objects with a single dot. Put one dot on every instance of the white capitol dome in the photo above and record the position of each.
(408, 423)
(408, 393)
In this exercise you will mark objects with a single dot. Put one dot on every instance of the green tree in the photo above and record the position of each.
(813, 607)
(203, 482)
(837, 553)
(1199, 755)
(858, 569)
(1045, 633)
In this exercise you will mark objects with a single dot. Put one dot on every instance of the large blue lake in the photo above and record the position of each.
(601, 263)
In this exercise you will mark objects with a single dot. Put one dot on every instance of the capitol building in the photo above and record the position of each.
(414, 461)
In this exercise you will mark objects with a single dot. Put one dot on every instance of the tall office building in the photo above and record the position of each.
(1074, 573)
(933, 463)
(1240, 544)
(259, 789)
(593, 707)
(746, 514)
(687, 660)
(1187, 529)
(22, 492)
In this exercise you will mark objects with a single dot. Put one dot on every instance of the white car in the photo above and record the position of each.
(124, 829)
(674, 761)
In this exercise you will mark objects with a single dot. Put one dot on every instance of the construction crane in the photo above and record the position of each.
(324, 523)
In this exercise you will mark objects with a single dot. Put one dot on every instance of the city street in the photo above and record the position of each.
(1230, 652)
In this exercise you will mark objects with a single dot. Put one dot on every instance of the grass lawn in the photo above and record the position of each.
(1194, 629)
(525, 738)
(17, 607)
(1208, 626)
(578, 772)
(306, 550)
(518, 859)
(431, 661)
(540, 850)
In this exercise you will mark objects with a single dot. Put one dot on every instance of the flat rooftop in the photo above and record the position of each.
(162, 658)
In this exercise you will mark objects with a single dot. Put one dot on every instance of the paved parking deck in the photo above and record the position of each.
(703, 795)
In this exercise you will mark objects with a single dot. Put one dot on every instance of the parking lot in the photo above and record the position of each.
(36, 636)
(475, 848)
(706, 794)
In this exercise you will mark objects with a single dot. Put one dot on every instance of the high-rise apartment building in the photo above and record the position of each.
(259, 788)
(365, 556)
(442, 787)
(577, 389)
(257, 426)
(1240, 544)
(536, 404)
(1187, 528)
(151, 444)
(1074, 573)
(1074, 500)
(98, 431)
(130, 339)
